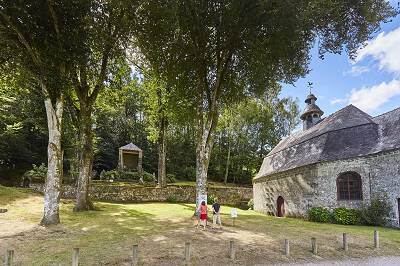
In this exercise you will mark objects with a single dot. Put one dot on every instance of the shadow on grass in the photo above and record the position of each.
(11, 194)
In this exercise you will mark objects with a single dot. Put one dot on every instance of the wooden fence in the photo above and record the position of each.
(9, 256)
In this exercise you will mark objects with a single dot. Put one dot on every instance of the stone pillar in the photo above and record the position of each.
(140, 168)
(120, 160)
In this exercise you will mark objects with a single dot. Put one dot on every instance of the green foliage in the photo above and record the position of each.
(37, 173)
(250, 204)
(319, 214)
(210, 199)
(23, 127)
(377, 212)
(172, 199)
(118, 175)
(346, 216)
(171, 178)
(188, 173)
(148, 178)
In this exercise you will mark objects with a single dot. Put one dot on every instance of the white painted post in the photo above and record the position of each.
(75, 257)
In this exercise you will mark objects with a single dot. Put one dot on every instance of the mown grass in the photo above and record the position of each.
(105, 235)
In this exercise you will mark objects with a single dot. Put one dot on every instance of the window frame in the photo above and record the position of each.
(352, 186)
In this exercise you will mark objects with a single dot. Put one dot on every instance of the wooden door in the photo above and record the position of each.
(280, 205)
(398, 209)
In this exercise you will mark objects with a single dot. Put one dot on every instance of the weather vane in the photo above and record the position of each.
(310, 84)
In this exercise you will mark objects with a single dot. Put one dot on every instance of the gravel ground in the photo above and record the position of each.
(377, 261)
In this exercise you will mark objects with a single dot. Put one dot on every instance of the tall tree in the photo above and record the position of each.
(156, 97)
(103, 34)
(218, 51)
(34, 38)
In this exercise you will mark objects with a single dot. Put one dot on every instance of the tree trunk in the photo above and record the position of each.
(203, 152)
(83, 202)
(227, 162)
(54, 162)
(162, 150)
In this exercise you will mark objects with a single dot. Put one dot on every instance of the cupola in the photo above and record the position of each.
(312, 113)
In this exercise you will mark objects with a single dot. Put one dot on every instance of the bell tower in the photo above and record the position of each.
(312, 113)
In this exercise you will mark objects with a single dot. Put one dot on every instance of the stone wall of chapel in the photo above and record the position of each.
(327, 174)
(385, 180)
(315, 185)
(297, 187)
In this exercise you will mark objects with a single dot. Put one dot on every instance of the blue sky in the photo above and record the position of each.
(371, 82)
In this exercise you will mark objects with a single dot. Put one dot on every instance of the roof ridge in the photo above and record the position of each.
(395, 109)
(326, 119)
(316, 136)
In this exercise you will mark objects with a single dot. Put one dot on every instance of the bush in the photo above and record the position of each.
(250, 204)
(172, 199)
(118, 175)
(171, 178)
(376, 213)
(319, 214)
(37, 173)
(210, 199)
(346, 216)
(188, 173)
(147, 177)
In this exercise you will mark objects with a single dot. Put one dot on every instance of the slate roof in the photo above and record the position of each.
(130, 147)
(344, 134)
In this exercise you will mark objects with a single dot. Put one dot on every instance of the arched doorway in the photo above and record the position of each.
(398, 207)
(280, 206)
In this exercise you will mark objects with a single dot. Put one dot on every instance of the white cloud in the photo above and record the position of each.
(356, 71)
(385, 48)
(336, 101)
(370, 98)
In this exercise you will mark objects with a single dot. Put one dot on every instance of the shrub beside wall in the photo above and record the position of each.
(346, 216)
(117, 175)
(376, 213)
(319, 214)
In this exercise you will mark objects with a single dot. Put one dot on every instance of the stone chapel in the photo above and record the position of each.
(342, 160)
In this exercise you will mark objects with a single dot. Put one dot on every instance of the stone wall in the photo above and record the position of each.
(104, 192)
(315, 185)
(295, 186)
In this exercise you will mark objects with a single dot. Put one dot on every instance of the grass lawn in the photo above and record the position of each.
(105, 236)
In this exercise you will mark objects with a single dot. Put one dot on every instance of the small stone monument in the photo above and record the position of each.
(130, 158)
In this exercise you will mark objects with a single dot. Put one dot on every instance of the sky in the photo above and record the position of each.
(371, 82)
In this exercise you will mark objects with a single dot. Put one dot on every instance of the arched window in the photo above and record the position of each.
(349, 186)
(315, 115)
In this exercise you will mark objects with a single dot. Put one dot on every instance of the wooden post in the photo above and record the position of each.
(345, 243)
(9, 257)
(135, 254)
(187, 253)
(287, 250)
(232, 249)
(75, 257)
(314, 247)
(376, 239)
